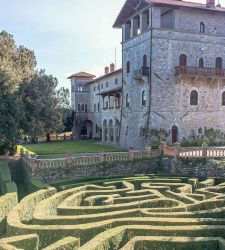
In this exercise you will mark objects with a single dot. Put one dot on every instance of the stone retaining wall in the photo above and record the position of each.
(195, 167)
(140, 166)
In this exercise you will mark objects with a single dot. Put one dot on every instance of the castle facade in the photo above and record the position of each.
(172, 81)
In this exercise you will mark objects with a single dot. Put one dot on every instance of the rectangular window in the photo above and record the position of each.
(94, 107)
(107, 85)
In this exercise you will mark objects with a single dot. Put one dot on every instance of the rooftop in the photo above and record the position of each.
(82, 75)
(105, 76)
(130, 7)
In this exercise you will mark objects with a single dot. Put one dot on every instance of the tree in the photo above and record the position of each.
(43, 105)
(17, 64)
(68, 124)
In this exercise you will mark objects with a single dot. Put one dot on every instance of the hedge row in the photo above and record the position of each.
(173, 238)
(26, 242)
(6, 185)
(31, 242)
(107, 214)
(7, 202)
(175, 243)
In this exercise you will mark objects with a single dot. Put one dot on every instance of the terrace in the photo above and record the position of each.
(202, 72)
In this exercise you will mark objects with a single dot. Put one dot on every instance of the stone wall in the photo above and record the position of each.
(195, 167)
(143, 166)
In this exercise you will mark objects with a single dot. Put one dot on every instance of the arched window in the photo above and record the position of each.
(201, 63)
(223, 99)
(145, 61)
(128, 67)
(143, 102)
(194, 98)
(219, 63)
(127, 101)
(183, 60)
(202, 27)
(82, 107)
(78, 107)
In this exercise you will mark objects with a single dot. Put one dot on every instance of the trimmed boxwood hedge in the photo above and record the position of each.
(110, 214)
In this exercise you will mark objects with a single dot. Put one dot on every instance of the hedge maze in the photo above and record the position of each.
(141, 212)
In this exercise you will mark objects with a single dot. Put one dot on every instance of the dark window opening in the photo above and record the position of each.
(145, 61)
(219, 63)
(202, 27)
(201, 63)
(223, 99)
(127, 101)
(194, 98)
(144, 98)
(128, 67)
(183, 60)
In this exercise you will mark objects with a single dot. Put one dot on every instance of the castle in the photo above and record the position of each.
(172, 81)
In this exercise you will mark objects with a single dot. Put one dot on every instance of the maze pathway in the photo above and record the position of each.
(142, 212)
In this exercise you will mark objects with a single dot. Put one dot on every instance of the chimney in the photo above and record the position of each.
(210, 3)
(106, 70)
(112, 67)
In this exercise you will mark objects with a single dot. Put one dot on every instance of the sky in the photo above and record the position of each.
(67, 36)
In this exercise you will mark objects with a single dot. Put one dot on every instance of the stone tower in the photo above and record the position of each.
(80, 101)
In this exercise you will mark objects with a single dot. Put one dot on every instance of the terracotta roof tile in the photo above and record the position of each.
(82, 75)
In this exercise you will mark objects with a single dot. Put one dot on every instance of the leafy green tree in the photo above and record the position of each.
(68, 124)
(17, 64)
(43, 105)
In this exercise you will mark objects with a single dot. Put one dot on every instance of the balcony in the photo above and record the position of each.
(140, 73)
(213, 73)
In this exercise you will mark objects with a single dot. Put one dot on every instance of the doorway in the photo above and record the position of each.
(174, 134)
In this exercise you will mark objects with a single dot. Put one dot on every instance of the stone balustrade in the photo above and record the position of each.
(193, 152)
(35, 164)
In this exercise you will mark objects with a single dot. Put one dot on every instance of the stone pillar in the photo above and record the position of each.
(103, 134)
(131, 154)
(204, 150)
(150, 13)
(149, 152)
(161, 147)
(141, 22)
(115, 135)
(101, 156)
(132, 28)
(69, 158)
(108, 134)
(33, 164)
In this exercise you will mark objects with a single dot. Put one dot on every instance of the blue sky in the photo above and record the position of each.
(67, 36)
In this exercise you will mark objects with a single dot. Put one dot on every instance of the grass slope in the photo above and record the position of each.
(69, 147)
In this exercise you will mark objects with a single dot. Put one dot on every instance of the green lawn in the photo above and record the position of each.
(69, 147)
